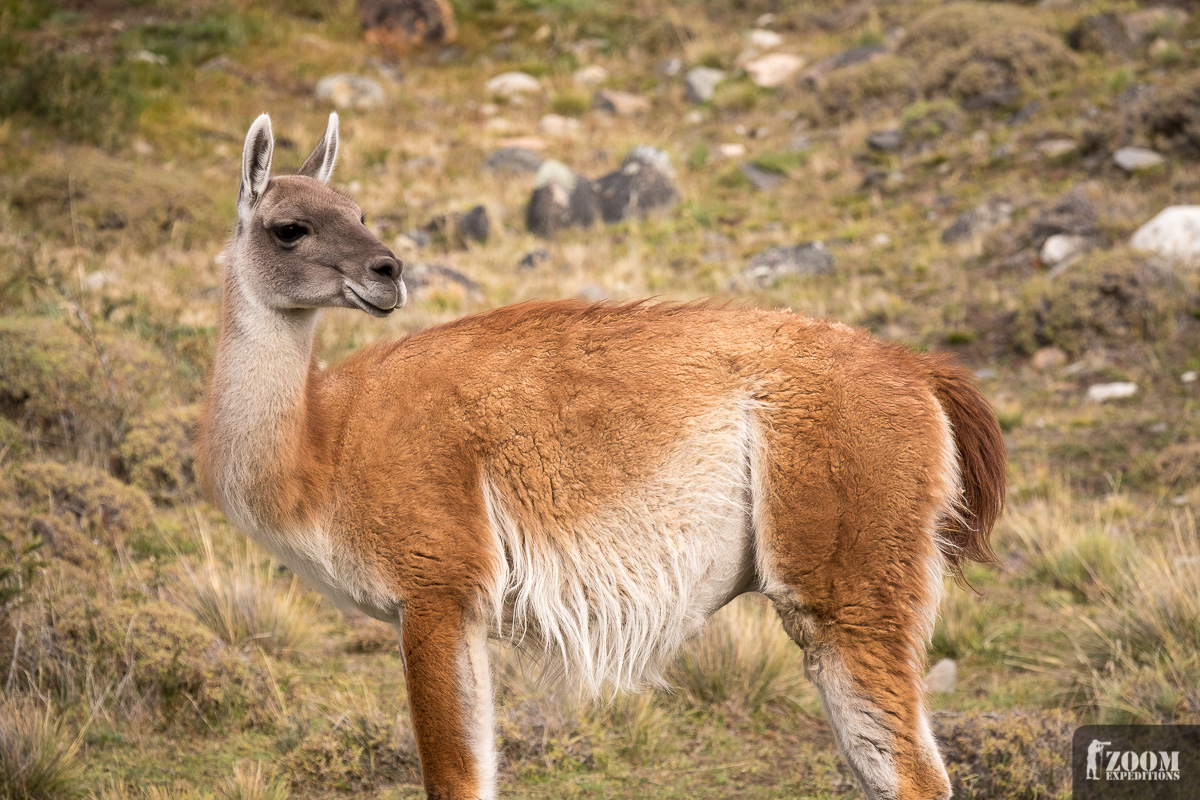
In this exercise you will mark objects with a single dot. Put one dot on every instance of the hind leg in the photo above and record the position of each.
(867, 664)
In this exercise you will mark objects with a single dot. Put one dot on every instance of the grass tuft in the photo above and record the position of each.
(37, 755)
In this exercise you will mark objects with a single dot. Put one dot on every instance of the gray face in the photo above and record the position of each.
(311, 249)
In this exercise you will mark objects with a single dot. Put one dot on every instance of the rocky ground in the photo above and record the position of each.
(1007, 181)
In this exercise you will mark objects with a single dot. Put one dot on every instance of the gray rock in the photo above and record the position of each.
(978, 221)
(1071, 214)
(814, 75)
(511, 85)
(1062, 248)
(762, 179)
(670, 67)
(885, 141)
(561, 199)
(765, 269)
(773, 69)
(701, 83)
(641, 184)
(349, 91)
(1174, 232)
(514, 159)
(942, 677)
(620, 104)
(533, 258)
(1137, 159)
(420, 238)
(458, 228)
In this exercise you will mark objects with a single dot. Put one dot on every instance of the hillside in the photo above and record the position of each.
(965, 177)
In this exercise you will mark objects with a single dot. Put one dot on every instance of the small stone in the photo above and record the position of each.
(620, 104)
(641, 184)
(147, 57)
(590, 77)
(1054, 148)
(533, 258)
(1049, 358)
(474, 225)
(885, 141)
(535, 143)
(1190, 376)
(763, 40)
(774, 69)
(557, 126)
(1137, 159)
(978, 221)
(1103, 392)
(1062, 247)
(96, 281)
(701, 83)
(510, 85)
(942, 677)
(349, 91)
(670, 67)
(881, 240)
(694, 117)
(731, 150)
(513, 159)
(762, 179)
(1174, 232)
(765, 269)
(815, 75)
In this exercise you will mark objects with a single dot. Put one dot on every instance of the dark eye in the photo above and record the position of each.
(290, 234)
(363, 220)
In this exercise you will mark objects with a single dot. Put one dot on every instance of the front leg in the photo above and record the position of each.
(450, 699)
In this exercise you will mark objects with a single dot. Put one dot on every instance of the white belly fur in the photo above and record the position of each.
(613, 599)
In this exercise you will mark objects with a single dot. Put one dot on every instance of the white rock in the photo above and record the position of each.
(1062, 247)
(1054, 148)
(1137, 159)
(731, 150)
(1102, 392)
(147, 57)
(96, 281)
(513, 84)
(590, 77)
(774, 69)
(558, 126)
(347, 90)
(881, 240)
(1189, 376)
(942, 677)
(694, 117)
(1174, 232)
(701, 83)
(763, 40)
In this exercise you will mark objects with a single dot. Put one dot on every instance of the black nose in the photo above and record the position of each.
(387, 267)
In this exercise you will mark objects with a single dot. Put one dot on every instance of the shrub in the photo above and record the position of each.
(1004, 61)
(1109, 297)
(353, 751)
(93, 501)
(252, 783)
(156, 454)
(887, 82)
(950, 27)
(37, 754)
(241, 604)
(153, 656)
(1006, 756)
(744, 658)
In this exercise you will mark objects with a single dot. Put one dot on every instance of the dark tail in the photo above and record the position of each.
(982, 460)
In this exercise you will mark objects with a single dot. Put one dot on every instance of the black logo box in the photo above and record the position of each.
(1137, 739)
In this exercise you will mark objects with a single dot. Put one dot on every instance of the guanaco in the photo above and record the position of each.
(591, 480)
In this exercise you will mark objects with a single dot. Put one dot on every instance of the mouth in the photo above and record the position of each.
(362, 303)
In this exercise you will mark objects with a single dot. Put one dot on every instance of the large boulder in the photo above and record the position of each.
(561, 199)
(402, 24)
(641, 184)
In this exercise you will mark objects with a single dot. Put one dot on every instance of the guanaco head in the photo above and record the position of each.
(300, 244)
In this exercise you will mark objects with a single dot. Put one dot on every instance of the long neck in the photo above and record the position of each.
(262, 449)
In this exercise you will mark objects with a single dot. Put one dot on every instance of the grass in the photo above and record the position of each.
(38, 754)
(199, 662)
(242, 603)
(744, 659)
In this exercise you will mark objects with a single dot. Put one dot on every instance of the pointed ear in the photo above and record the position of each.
(256, 163)
(319, 164)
